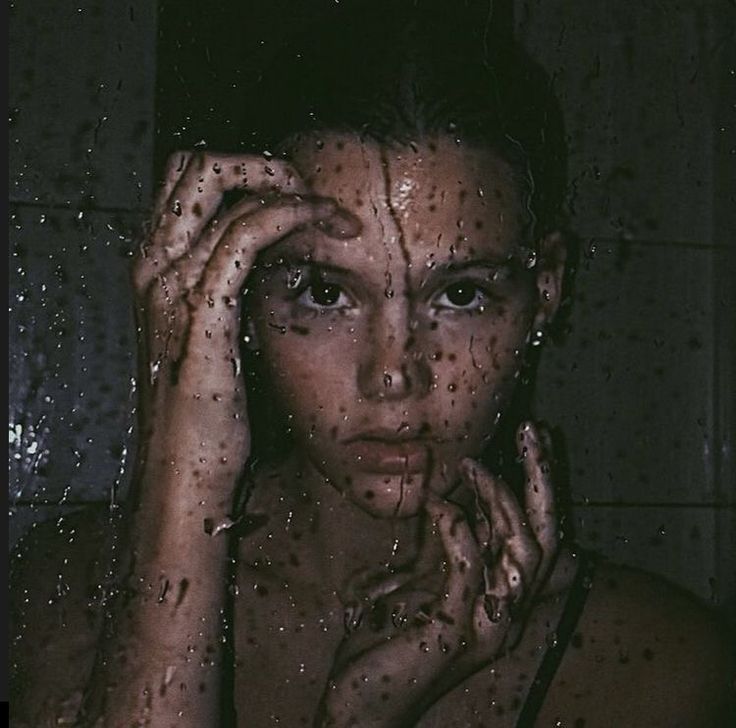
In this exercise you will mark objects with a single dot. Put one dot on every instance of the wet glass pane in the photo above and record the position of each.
(371, 363)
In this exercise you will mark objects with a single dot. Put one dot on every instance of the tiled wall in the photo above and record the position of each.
(81, 143)
(643, 386)
(639, 387)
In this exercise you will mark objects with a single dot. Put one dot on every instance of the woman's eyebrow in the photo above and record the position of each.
(489, 266)
(310, 262)
(452, 266)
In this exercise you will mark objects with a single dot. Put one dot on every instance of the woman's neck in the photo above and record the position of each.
(339, 545)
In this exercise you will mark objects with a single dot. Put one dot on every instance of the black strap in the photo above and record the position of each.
(565, 628)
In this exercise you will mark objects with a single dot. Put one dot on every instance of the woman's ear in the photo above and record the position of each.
(552, 256)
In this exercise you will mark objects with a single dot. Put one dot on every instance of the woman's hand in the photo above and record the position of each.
(493, 571)
(188, 277)
(161, 659)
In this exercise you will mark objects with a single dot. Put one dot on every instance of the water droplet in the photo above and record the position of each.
(398, 615)
(163, 588)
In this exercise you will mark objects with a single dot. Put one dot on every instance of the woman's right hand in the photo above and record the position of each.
(494, 566)
(188, 275)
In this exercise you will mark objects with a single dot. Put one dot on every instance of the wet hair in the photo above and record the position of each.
(400, 70)
(397, 71)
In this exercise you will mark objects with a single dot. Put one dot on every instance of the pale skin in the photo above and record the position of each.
(394, 293)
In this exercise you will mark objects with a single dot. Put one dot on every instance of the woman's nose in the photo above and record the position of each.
(393, 367)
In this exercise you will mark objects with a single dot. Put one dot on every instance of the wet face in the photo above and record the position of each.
(394, 352)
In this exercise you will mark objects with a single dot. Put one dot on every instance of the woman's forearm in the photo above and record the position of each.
(161, 656)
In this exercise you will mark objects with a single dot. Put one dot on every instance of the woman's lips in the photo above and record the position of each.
(390, 458)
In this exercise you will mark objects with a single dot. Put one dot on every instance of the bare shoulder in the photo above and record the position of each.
(644, 652)
(57, 573)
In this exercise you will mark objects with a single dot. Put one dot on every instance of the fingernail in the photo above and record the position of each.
(353, 617)
(492, 605)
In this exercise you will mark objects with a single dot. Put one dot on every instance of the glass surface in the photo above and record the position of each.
(633, 375)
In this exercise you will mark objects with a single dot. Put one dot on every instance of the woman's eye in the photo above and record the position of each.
(462, 295)
(323, 295)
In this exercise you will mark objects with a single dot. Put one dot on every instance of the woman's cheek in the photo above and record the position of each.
(474, 373)
(310, 375)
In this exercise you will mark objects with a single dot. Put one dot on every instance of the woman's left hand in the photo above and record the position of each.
(493, 571)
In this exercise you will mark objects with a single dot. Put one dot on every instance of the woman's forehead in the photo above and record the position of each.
(436, 193)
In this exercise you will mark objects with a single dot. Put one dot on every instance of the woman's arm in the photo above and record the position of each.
(160, 655)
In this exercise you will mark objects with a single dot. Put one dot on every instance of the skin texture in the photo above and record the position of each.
(392, 352)
(371, 332)
(345, 609)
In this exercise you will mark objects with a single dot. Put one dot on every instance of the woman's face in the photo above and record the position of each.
(394, 352)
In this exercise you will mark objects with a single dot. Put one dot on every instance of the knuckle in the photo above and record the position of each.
(292, 178)
(201, 160)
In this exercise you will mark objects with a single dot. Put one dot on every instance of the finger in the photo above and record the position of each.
(463, 558)
(493, 609)
(539, 492)
(507, 516)
(237, 248)
(482, 524)
(175, 166)
(341, 225)
(145, 265)
(516, 560)
(188, 267)
(198, 193)
(482, 483)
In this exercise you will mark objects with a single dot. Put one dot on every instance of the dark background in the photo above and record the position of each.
(643, 388)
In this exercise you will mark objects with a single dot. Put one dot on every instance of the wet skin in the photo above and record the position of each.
(394, 351)
(426, 355)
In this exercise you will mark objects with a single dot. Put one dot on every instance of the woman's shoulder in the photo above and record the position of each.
(645, 652)
(58, 576)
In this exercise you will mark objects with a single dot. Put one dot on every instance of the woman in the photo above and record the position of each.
(327, 526)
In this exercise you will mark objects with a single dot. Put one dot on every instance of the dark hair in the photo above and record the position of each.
(400, 70)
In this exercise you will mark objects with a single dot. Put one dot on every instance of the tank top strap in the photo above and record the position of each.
(576, 599)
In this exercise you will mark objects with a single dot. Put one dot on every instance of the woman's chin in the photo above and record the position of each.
(388, 496)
